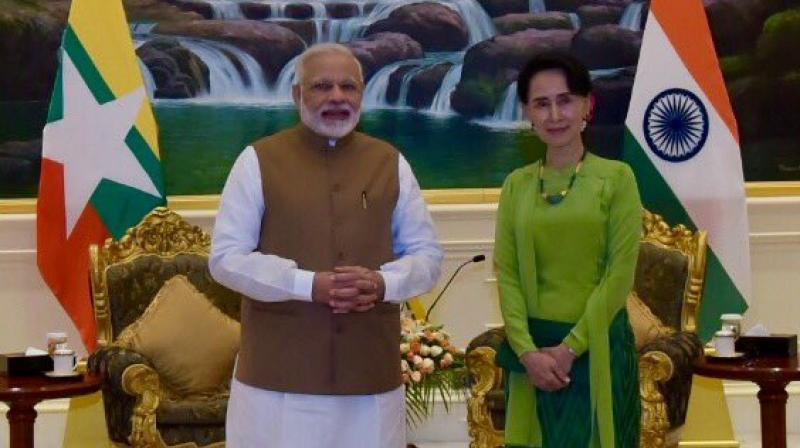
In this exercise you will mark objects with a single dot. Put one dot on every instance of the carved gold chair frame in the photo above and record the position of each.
(163, 233)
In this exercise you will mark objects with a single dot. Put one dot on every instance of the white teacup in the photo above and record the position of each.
(55, 340)
(63, 361)
(724, 342)
(732, 322)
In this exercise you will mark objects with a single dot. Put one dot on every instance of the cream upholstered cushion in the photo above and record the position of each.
(646, 325)
(190, 342)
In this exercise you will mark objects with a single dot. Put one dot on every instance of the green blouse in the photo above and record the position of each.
(570, 262)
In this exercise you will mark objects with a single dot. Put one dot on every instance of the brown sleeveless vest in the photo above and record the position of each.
(325, 207)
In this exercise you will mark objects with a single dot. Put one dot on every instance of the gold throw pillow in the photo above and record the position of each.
(191, 343)
(646, 325)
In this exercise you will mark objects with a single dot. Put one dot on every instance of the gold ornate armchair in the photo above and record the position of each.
(126, 275)
(669, 280)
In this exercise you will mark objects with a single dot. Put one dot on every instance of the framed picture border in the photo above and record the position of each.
(444, 196)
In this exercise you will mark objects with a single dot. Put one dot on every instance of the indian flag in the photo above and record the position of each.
(683, 144)
(100, 167)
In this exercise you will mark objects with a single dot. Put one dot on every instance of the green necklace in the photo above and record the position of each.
(556, 198)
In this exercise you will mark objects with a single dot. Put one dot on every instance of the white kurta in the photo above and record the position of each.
(268, 419)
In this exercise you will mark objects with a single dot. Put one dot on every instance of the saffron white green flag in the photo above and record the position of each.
(683, 144)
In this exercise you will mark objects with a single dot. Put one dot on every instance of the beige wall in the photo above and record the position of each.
(28, 310)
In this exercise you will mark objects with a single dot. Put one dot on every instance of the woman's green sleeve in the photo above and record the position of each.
(624, 237)
(513, 304)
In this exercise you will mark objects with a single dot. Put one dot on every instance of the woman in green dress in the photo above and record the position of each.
(567, 242)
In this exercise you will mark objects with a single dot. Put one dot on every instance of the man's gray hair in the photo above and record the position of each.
(318, 49)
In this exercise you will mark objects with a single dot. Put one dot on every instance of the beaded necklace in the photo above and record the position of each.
(556, 198)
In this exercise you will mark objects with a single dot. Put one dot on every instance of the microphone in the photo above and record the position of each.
(475, 259)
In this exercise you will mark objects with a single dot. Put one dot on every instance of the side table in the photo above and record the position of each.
(23, 393)
(771, 375)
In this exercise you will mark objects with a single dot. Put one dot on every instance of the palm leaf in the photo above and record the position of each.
(420, 397)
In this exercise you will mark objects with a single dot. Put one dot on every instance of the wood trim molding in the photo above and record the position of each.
(442, 196)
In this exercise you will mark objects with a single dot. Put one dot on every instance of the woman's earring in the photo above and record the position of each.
(583, 125)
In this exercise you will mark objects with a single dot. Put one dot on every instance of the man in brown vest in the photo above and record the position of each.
(326, 233)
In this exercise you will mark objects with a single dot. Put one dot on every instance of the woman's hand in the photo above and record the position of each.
(563, 356)
(543, 371)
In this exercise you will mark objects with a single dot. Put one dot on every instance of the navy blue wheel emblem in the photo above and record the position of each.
(676, 125)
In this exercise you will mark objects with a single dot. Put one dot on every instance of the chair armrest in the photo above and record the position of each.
(142, 382)
(129, 373)
(490, 338)
(112, 361)
(682, 349)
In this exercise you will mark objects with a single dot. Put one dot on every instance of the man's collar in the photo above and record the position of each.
(313, 139)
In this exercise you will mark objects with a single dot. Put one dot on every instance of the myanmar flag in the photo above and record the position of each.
(100, 168)
(683, 144)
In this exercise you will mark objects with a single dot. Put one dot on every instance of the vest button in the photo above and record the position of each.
(336, 188)
(337, 329)
(341, 255)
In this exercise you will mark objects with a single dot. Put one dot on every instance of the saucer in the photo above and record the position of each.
(716, 356)
(54, 374)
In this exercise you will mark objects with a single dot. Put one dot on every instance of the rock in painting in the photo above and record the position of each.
(490, 66)
(396, 83)
(777, 46)
(20, 163)
(613, 95)
(435, 26)
(255, 11)
(29, 42)
(425, 85)
(607, 46)
(735, 24)
(341, 10)
(497, 8)
(299, 11)
(593, 15)
(176, 71)
(379, 50)
(271, 45)
(303, 28)
(201, 10)
(512, 23)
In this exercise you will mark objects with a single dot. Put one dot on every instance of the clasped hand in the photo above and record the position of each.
(548, 368)
(348, 289)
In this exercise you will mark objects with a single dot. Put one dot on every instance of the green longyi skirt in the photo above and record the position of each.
(565, 416)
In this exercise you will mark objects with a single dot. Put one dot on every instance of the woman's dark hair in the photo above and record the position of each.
(578, 80)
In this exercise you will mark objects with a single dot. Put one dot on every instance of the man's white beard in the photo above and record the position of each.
(337, 130)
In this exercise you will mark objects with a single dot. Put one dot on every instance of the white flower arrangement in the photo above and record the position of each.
(430, 366)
